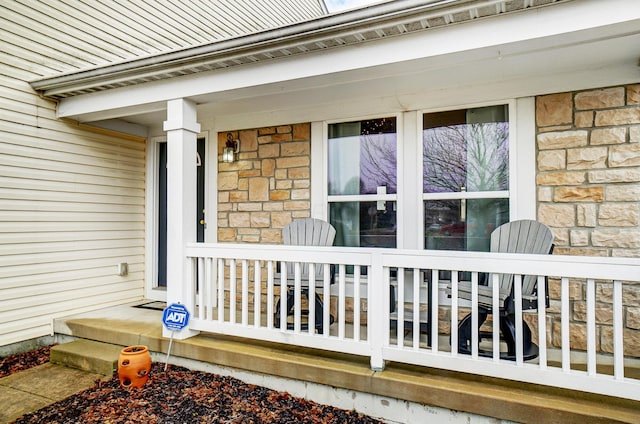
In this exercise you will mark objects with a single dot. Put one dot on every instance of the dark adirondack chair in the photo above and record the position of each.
(305, 232)
(523, 236)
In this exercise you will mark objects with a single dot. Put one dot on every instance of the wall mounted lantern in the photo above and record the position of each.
(231, 148)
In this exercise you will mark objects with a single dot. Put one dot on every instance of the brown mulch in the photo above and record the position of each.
(178, 395)
(22, 361)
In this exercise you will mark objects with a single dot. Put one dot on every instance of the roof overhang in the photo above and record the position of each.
(394, 56)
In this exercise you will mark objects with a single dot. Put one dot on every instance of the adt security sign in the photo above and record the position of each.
(175, 317)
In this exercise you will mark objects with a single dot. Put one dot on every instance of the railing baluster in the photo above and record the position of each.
(257, 293)
(326, 300)
(416, 308)
(342, 304)
(517, 285)
(591, 327)
(564, 324)
(618, 328)
(211, 287)
(270, 295)
(283, 297)
(495, 310)
(474, 315)
(400, 308)
(542, 322)
(201, 285)
(356, 303)
(311, 318)
(454, 313)
(297, 296)
(433, 320)
(233, 288)
(220, 289)
(245, 292)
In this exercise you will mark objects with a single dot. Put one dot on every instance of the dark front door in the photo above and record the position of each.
(162, 206)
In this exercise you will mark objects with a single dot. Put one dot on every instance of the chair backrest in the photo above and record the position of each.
(523, 236)
(308, 232)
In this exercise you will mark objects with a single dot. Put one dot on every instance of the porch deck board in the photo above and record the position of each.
(502, 399)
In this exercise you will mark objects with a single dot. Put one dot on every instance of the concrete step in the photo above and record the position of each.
(87, 355)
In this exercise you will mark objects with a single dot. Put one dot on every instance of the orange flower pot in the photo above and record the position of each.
(134, 366)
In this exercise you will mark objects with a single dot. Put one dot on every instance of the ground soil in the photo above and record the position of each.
(177, 395)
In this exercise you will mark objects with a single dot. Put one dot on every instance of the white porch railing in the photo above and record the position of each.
(236, 287)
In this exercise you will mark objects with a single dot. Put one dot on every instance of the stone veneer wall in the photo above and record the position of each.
(267, 187)
(588, 183)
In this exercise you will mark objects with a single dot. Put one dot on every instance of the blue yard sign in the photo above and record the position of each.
(175, 317)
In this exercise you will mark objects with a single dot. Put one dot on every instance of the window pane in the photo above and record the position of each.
(364, 224)
(463, 224)
(466, 150)
(362, 157)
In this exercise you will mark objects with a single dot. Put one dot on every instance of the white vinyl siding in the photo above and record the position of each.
(71, 203)
(66, 35)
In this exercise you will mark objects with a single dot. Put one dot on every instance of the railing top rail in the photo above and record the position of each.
(595, 267)
(316, 254)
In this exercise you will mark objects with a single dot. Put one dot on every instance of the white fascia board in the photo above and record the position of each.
(572, 23)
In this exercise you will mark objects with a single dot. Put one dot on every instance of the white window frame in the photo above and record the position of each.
(409, 197)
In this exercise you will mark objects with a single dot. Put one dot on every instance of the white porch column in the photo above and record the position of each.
(182, 130)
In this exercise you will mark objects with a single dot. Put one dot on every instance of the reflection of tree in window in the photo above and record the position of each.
(468, 157)
(465, 150)
(378, 163)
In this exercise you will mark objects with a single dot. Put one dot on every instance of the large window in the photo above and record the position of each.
(448, 187)
(362, 182)
(465, 156)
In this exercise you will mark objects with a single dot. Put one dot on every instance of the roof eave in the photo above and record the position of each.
(260, 46)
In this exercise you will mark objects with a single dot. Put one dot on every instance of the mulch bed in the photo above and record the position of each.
(180, 395)
(20, 362)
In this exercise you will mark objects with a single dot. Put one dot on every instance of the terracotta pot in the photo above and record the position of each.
(134, 366)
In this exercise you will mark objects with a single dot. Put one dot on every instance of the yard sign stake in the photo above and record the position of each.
(175, 317)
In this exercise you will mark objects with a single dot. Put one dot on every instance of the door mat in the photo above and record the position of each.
(156, 306)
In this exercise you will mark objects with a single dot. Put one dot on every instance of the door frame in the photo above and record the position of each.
(152, 290)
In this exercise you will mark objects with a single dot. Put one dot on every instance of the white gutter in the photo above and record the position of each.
(341, 24)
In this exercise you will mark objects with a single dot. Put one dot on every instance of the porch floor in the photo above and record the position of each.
(507, 400)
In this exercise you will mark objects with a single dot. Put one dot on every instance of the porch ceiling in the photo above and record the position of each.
(395, 56)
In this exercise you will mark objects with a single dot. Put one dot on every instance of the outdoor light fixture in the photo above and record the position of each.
(231, 148)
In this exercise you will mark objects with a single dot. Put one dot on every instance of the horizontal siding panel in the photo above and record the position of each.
(19, 68)
(20, 294)
(42, 216)
(130, 153)
(37, 185)
(70, 307)
(40, 56)
(69, 177)
(107, 164)
(67, 226)
(60, 279)
(107, 32)
(16, 105)
(60, 31)
(28, 97)
(56, 196)
(65, 266)
(26, 331)
(70, 246)
(63, 256)
(12, 310)
(115, 21)
(67, 236)
(89, 208)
